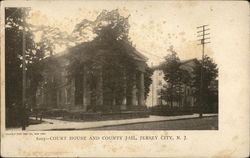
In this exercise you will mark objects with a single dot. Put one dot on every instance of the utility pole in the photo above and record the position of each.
(203, 36)
(24, 81)
(152, 87)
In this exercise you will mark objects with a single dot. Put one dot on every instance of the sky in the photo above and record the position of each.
(154, 25)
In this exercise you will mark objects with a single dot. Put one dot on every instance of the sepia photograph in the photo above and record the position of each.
(124, 78)
(91, 74)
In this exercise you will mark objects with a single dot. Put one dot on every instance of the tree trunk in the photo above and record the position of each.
(171, 96)
(32, 100)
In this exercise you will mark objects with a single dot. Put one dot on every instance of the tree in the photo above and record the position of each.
(109, 31)
(175, 77)
(50, 38)
(109, 26)
(210, 73)
(171, 69)
(13, 52)
(147, 80)
(15, 25)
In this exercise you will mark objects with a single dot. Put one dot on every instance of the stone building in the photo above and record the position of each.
(87, 93)
(189, 98)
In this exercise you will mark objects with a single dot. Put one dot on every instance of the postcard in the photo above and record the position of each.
(125, 78)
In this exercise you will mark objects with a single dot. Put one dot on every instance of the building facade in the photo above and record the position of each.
(86, 91)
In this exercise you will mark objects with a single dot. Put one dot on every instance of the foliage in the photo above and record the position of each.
(15, 27)
(111, 26)
(51, 38)
(13, 47)
(147, 80)
(175, 78)
(107, 27)
(171, 68)
(210, 73)
(110, 50)
(161, 110)
(35, 52)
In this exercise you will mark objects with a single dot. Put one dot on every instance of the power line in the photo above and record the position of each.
(203, 33)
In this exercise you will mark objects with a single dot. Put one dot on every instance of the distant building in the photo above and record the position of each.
(189, 98)
(158, 83)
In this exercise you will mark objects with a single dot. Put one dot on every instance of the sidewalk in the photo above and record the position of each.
(52, 124)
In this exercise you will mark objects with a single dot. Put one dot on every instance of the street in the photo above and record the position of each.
(205, 123)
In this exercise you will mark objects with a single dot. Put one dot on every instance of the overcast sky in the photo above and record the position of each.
(155, 25)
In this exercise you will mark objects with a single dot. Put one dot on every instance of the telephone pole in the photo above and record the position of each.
(202, 37)
(23, 109)
(152, 87)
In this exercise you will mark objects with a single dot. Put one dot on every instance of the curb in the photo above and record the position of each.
(89, 128)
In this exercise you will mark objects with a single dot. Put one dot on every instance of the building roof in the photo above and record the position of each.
(189, 60)
(135, 54)
(188, 65)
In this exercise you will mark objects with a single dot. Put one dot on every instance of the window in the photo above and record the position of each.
(53, 78)
(67, 95)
